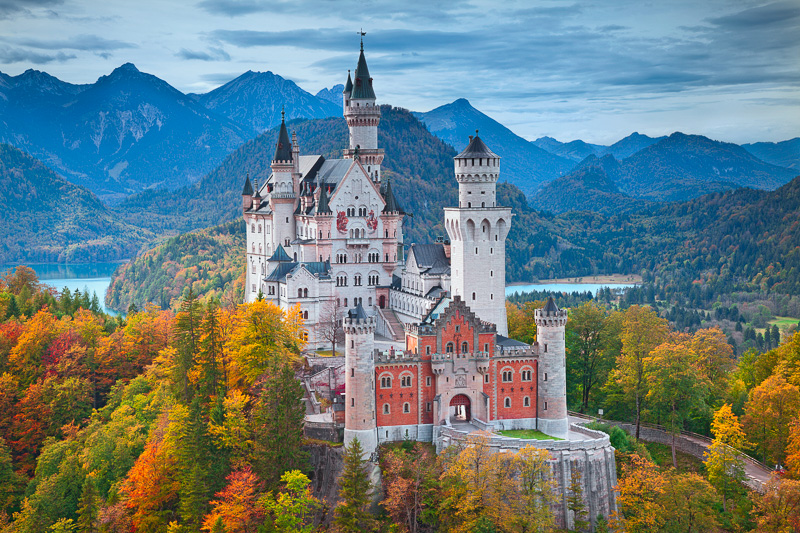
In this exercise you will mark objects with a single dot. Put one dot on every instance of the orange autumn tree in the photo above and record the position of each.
(793, 450)
(151, 486)
(236, 508)
(640, 486)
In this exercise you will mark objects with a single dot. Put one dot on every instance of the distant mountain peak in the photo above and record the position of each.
(126, 67)
(461, 102)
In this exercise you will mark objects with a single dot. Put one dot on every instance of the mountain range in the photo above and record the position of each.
(131, 131)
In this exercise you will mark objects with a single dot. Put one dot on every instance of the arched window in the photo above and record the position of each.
(386, 382)
(526, 402)
(464, 347)
(449, 347)
(305, 293)
(405, 380)
(507, 402)
(386, 408)
(406, 407)
(305, 315)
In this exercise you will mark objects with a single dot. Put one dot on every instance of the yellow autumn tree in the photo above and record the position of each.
(261, 334)
(771, 408)
(724, 463)
(640, 487)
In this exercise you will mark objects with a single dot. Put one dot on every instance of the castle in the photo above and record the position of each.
(427, 355)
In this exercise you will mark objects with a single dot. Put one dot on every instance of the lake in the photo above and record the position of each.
(94, 276)
(566, 287)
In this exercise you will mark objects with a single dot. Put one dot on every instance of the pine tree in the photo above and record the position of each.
(575, 502)
(278, 425)
(187, 329)
(355, 490)
(88, 507)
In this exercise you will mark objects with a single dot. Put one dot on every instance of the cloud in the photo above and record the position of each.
(762, 17)
(213, 54)
(90, 43)
(10, 8)
(20, 55)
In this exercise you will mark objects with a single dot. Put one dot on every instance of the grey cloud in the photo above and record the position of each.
(84, 42)
(20, 55)
(213, 54)
(762, 17)
(15, 7)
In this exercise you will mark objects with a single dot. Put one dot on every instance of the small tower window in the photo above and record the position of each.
(473, 297)
(406, 407)
(507, 402)
(386, 409)
(526, 402)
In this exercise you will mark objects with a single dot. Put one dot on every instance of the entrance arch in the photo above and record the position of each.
(460, 408)
(382, 301)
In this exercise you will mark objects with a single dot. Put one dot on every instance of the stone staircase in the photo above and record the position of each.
(393, 324)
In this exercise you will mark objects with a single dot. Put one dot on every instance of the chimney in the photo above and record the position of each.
(447, 248)
(470, 138)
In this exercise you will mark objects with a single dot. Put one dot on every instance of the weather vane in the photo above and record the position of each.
(362, 33)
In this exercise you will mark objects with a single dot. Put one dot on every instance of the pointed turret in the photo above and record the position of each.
(323, 208)
(279, 256)
(362, 87)
(392, 205)
(283, 149)
(348, 87)
(477, 148)
(248, 188)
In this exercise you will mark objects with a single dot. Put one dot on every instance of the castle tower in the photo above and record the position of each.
(477, 229)
(552, 380)
(359, 364)
(284, 194)
(363, 117)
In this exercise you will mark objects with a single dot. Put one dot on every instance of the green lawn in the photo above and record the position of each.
(526, 434)
(783, 321)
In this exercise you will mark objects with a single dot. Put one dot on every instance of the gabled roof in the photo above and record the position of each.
(436, 311)
(505, 342)
(427, 256)
(279, 272)
(362, 87)
(315, 268)
(280, 255)
(248, 188)
(283, 148)
(476, 148)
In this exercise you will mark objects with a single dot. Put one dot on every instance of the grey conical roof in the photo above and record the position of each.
(392, 205)
(357, 313)
(283, 149)
(248, 187)
(476, 148)
(280, 255)
(550, 308)
(348, 88)
(362, 87)
(323, 207)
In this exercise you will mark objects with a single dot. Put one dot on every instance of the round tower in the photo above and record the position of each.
(552, 379)
(363, 117)
(284, 196)
(359, 364)
(478, 229)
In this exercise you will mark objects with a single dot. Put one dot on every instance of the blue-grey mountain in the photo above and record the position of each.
(574, 150)
(255, 100)
(127, 132)
(784, 153)
(523, 164)
(334, 94)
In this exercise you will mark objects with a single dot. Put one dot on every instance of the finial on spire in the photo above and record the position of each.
(476, 132)
(283, 114)
(362, 33)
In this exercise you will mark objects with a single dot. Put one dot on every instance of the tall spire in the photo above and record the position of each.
(392, 205)
(248, 188)
(283, 149)
(322, 205)
(348, 88)
(363, 83)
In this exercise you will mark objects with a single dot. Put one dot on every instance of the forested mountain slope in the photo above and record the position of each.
(47, 219)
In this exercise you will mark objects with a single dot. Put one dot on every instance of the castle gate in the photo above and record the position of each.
(460, 408)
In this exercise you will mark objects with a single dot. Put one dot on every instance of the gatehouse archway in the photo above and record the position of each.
(460, 408)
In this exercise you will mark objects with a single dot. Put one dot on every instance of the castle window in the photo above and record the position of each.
(469, 204)
(386, 408)
(545, 376)
(526, 402)
(545, 347)
(508, 376)
(405, 381)
(428, 407)
(406, 408)
(352, 370)
(386, 382)
(473, 295)
(476, 251)
(507, 402)
(352, 402)
(252, 228)
(449, 348)
(299, 293)
(272, 290)
(259, 228)
(526, 375)
(545, 406)
(486, 378)
(486, 347)
(427, 381)
(254, 287)
(320, 234)
(427, 350)
(345, 302)
(464, 347)
(483, 204)
(305, 315)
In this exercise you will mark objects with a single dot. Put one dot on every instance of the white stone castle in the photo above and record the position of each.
(327, 234)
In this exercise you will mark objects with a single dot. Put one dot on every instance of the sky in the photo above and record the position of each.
(591, 70)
